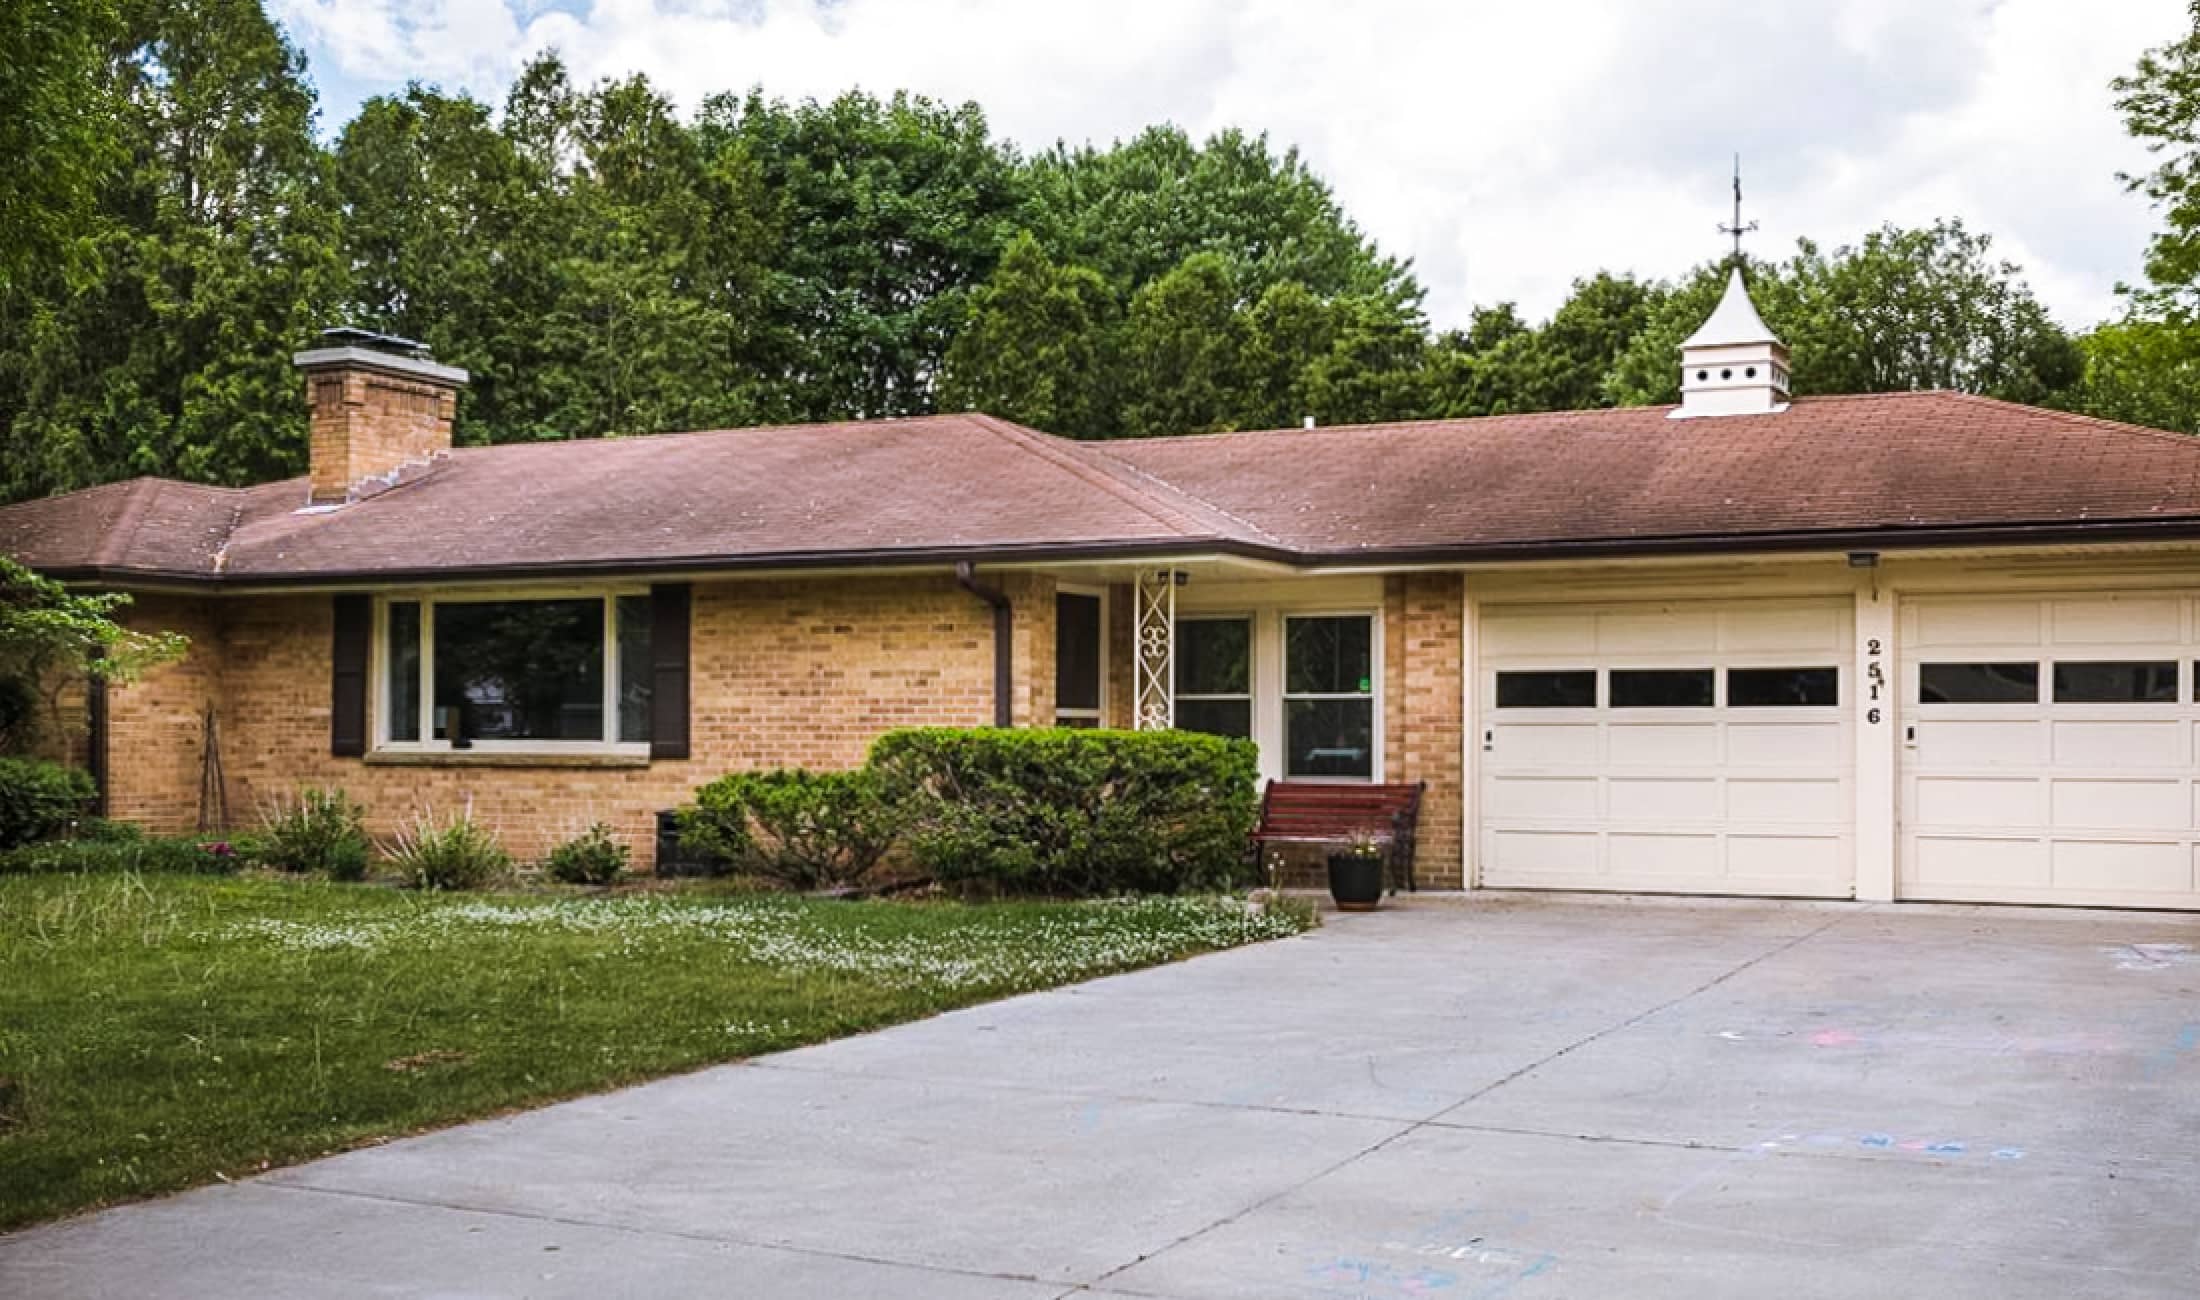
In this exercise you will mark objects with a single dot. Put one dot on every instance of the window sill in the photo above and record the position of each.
(504, 758)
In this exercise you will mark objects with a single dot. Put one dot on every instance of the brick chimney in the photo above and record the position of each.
(378, 403)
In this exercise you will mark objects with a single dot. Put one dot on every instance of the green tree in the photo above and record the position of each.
(2160, 101)
(1903, 309)
(1037, 346)
(896, 212)
(2142, 372)
(1136, 210)
(1183, 352)
(55, 129)
(212, 256)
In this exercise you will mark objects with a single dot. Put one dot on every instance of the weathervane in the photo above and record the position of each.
(1737, 230)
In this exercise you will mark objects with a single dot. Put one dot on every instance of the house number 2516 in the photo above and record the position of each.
(1875, 677)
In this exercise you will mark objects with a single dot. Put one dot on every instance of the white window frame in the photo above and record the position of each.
(1251, 693)
(1098, 716)
(1278, 703)
(428, 599)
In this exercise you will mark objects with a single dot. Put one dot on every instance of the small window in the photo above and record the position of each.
(1782, 688)
(1562, 688)
(2122, 682)
(1077, 660)
(2012, 683)
(1214, 676)
(1661, 688)
(1329, 696)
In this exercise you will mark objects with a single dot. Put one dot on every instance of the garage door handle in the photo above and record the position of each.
(1489, 741)
(1909, 735)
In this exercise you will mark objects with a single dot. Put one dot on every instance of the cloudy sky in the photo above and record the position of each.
(1505, 148)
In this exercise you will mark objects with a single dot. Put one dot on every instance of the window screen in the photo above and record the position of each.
(1563, 688)
(2006, 683)
(1661, 688)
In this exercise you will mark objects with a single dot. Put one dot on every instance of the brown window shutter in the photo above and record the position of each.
(347, 717)
(668, 670)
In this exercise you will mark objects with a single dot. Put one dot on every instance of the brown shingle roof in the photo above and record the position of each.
(1827, 465)
(1911, 466)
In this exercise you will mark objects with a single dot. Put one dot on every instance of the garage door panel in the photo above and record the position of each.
(1550, 744)
(2117, 622)
(1554, 636)
(2080, 803)
(1977, 742)
(1521, 856)
(1979, 861)
(1658, 631)
(1786, 858)
(1979, 800)
(1951, 623)
(1819, 628)
(1658, 799)
(1641, 744)
(1752, 744)
(1754, 799)
(2098, 743)
(1548, 798)
(1667, 857)
(2107, 866)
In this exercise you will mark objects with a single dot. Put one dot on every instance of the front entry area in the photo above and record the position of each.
(2049, 750)
(1690, 747)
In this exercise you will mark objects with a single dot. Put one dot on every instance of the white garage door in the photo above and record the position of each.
(1684, 747)
(2049, 750)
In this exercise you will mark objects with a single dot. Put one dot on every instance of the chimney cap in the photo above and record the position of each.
(352, 336)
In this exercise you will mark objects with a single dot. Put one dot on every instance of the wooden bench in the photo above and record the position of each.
(1324, 812)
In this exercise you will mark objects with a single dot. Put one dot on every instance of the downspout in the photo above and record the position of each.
(966, 577)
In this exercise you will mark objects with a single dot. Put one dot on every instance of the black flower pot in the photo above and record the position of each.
(1355, 882)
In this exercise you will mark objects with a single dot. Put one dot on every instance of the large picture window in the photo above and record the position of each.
(1214, 676)
(1329, 696)
(566, 672)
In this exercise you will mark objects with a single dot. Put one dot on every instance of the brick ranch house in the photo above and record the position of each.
(1916, 646)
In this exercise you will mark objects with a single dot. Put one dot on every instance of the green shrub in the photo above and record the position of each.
(457, 854)
(145, 854)
(318, 830)
(1074, 811)
(805, 830)
(589, 858)
(39, 799)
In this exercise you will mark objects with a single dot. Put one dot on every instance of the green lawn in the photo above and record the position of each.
(161, 1031)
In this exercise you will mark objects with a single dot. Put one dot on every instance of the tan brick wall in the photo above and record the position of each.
(1424, 713)
(364, 423)
(154, 774)
(783, 673)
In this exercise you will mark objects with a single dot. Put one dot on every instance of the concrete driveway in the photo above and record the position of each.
(1513, 1097)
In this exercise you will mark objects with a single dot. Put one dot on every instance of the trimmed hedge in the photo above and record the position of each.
(801, 829)
(1074, 811)
(38, 799)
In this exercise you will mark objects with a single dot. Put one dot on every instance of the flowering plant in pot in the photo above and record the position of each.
(1356, 875)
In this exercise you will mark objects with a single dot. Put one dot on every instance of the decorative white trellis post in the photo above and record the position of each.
(1154, 673)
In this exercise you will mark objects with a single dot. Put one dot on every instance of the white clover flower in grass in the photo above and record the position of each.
(991, 951)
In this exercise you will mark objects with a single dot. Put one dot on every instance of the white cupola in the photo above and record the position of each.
(1733, 365)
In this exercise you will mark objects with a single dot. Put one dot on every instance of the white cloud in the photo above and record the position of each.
(1505, 148)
